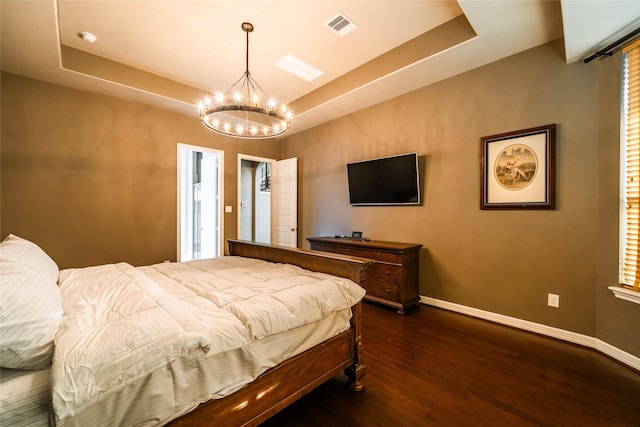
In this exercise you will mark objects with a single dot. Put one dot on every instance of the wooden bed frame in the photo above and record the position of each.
(290, 380)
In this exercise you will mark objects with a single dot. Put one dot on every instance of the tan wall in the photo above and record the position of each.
(92, 179)
(504, 262)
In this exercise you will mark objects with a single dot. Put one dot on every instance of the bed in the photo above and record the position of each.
(176, 369)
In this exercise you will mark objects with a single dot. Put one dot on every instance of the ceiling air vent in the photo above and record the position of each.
(341, 24)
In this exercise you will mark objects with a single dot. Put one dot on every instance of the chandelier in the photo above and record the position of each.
(245, 110)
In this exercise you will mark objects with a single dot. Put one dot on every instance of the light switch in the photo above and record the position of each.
(228, 209)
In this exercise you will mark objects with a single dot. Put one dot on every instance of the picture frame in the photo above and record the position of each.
(518, 169)
(356, 235)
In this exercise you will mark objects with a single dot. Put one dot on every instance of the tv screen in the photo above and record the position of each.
(385, 181)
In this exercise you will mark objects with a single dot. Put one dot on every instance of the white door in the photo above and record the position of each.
(284, 227)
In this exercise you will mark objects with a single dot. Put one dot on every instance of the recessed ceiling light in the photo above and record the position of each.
(298, 68)
(88, 37)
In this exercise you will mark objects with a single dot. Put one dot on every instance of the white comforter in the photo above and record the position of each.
(122, 322)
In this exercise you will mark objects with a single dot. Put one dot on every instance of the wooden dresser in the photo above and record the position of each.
(392, 279)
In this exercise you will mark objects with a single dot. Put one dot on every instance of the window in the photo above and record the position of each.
(264, 170)
(630, 191)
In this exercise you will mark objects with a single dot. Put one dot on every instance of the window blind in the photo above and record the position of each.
(630, 268)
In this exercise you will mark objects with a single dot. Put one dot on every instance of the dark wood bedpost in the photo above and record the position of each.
(356, 372)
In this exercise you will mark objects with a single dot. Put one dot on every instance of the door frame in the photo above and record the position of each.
(220, 153)
(242, 157)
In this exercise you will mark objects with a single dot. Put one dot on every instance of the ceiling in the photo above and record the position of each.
(171, 53)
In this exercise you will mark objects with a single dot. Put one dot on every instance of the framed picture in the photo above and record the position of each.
(518, 169)
(356, 235)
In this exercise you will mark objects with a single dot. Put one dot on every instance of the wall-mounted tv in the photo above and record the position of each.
(390, 180)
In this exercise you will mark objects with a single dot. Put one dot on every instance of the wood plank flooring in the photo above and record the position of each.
(433, 367)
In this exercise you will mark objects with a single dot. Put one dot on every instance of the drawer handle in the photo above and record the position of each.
(388, 273)
(388, 291)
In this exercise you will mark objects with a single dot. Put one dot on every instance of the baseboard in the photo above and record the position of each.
(572, 337)
(617, 354)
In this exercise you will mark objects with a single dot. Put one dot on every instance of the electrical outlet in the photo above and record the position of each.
(553, 300)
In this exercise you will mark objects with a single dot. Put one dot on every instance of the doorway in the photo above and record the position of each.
(199, 202)
(267, 200)
(254, 196)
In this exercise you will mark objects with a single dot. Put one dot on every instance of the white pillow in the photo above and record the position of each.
(30, 305)
(21, 251)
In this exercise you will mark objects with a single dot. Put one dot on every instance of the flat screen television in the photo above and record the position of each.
(390, 180)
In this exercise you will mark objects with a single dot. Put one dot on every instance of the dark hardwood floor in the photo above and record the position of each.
(433, 367)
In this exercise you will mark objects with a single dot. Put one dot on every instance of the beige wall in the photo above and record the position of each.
(92, 179)
(504, 262)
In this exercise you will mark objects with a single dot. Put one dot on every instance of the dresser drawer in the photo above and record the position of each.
(383, 271)
(331, 248)
(364, 253)
(339, 250)
(381, 288)
(379, 256)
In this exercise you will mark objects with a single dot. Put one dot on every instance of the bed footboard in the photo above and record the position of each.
(290, 380)
(339, 265)
(278, 387)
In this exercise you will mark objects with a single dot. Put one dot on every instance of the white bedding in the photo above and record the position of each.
(24, 397)
(126, 329)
